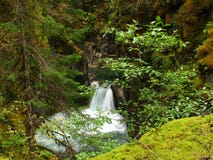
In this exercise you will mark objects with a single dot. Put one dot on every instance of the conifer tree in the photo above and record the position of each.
(31, 76)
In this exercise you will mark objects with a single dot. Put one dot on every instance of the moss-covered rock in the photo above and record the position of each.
(3, 158)
(205, 51)
(184, 139)
(205, 56)
(192, 16)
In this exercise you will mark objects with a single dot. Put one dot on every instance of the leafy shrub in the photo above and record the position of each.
(159, 88)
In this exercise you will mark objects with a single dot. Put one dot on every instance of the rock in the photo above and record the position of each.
(188, 139)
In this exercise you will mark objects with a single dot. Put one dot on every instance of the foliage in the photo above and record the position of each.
(50, 27)
(12, 133)
(31, 73)
(155, 45)
(66, 23)
(79, 132)
(40, 44)
(129, 70)
(105, 146)
(160, 90)
(173, 96)
(44, 155)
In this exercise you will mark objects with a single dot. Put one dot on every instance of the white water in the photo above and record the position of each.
(102, 104)
(102, 100)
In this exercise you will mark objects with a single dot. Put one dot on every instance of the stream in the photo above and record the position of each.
(63, 130)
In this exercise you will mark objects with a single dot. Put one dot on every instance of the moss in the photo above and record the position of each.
(205, 51)
(3, 158)
(190, 17)
(168, 18)
(187, 7)
(198, 82)
(208, 61)
(204, 4)
(188, 139)
(186, 16)
(162, 8)
(210, 31)
(12, 134)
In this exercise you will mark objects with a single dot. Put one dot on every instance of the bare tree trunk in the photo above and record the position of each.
(30, 131)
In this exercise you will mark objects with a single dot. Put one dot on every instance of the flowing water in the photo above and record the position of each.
(102, 100)
(102, 104)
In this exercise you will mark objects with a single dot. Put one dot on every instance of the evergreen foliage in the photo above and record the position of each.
(32, 77)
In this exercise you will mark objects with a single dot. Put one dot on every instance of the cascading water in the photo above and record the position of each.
(102, 104)
(102, 100)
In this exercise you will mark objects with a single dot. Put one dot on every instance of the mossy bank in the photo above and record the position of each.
(184, 139)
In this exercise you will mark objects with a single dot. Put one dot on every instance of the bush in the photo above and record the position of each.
(159, 88)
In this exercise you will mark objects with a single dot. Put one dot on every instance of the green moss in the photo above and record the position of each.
(3, 158)
(190, 18)
(208, 61)
(205, 51)
(203, 4)
(210, 31)
(188, 139)
(13, 142)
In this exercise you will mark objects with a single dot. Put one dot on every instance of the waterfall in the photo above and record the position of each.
(102, 100)
(102, 104)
